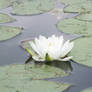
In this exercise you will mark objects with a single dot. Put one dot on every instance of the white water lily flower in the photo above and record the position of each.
(51, 48)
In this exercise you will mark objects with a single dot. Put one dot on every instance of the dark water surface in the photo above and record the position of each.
(44, 24)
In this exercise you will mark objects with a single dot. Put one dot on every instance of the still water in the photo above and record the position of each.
(33, 26)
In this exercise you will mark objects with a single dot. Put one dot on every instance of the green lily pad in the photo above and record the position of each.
(4, 18)
(79, 7)
(74, 26)
(32, 71)
(87, 90)
(7, 32)
(27, 85)
(85, 17)
(32, 7)
(82, 51)
(4, 3)
(71, 1)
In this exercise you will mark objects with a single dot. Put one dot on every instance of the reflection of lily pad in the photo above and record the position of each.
(82, 51)
(7, 32)
(28, 85)
(85, 17)
(4, 18)
(71, 1)
(32, 7)
(4, 3)
(32, 71)
(87, 90)
(74, 26)
(79, 7)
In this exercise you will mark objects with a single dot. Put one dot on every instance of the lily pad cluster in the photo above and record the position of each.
(23, 78)
(80, 25)
(32, 7)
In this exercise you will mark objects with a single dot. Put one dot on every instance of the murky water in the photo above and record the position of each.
(44, 24)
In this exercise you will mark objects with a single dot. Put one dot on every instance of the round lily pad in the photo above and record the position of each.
(74, 26)
(87, 90)
(82, 51)
(28, 85)
(71, 1)
(32, 7)
(85, 17)
(32, 71)
(4, 3)
(79, 7)
(4, 18)
(7, 32)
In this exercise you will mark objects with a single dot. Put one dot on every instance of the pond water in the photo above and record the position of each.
(44, 24)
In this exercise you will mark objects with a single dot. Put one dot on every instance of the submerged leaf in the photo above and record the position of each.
(4, 18)
(79, 7)
(85, 17)
(87, 90)
(32, 7)
(74, 26)
(7, 32)
(82, 51)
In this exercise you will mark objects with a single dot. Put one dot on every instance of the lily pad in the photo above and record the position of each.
(71, 1)
(85, 17)
(4, 18)
(7, 32)
(27, 85)
(32, 7)
(79, 7)
(32, 71)
(4, 3)
(74, 26)
(82, 51)
(87, 90)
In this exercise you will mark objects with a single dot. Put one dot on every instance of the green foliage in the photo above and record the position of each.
(33, 71)
(79, 7)
(66, 2)
(74, 26)
(28, 85)
(4, 3)
(32, 7)
(4, 18)
(7, 32)
(85, 17)
(82, 51)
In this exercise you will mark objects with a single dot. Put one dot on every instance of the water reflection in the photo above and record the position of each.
(66, 66)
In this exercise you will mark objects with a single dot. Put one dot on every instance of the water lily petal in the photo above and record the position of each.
(66, 48)
(66, 59)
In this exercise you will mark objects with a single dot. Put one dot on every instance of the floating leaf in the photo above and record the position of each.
(4, 3)
(28, 85)
(4, 18)
(82, 51)
(71, 1)
(87, 90)
(7, 32)
(85, 17)
(32, 7)
(74, 26)
(79, 7)
(32, 71)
